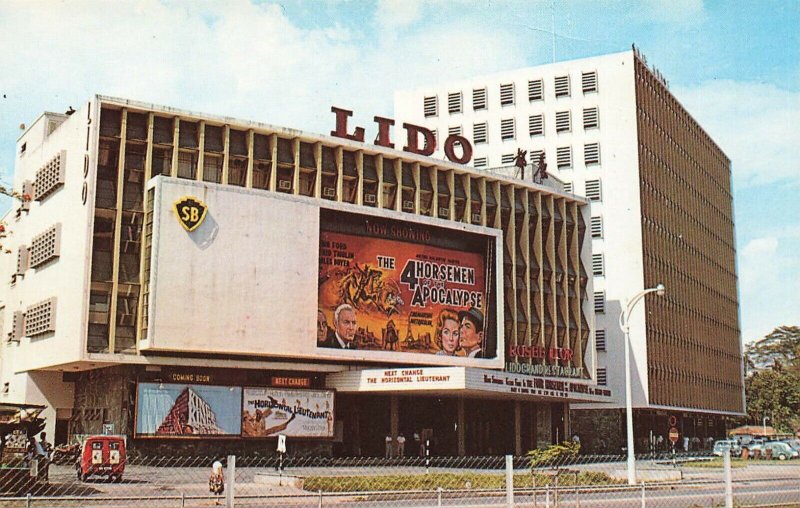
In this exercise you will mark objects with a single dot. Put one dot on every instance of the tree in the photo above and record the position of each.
(772, 387)
(24, 198)
(553, 457)
(782, 345)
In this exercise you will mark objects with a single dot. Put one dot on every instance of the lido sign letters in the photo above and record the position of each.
(413, 135)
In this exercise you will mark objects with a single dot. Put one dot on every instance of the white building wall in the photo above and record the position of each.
(65, 276)
(619, 207)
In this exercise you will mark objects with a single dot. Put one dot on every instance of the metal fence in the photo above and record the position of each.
(599, 481)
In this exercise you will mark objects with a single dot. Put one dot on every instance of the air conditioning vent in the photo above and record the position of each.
(329, 192)
(369, 199)
(284, 184)
(408, 205)
(17, 327)
(40, 318)
(23, 260)
(50, 177)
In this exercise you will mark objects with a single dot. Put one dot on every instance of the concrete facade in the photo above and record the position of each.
(598, 121)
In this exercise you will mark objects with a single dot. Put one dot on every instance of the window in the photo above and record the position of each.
(563, 121)
(562, 86)
(479, 131)
(534, 156)
(597, 265)
(597, 227)
(591, 153)
(568, 187)
(454, 131)
(602, 377)
(536, 125)
(564, 157)
(535, 90)
(454, 100)
(507, 94)
(599, 302)
(600, 340)
(589, 81)
(479, 98)
(591, 118)
(507, 158)
(212, 168)
(481, 162)
(507, 129)
(187, 164)
(593, 190)
(430, 106)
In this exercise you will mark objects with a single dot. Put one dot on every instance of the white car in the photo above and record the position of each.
(727, 444)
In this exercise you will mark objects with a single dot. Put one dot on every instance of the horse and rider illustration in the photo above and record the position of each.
(365, 286)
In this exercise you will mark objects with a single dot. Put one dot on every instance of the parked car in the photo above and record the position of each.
(794, 443)
(727, 444)
(103, 456)
(752, 447)
(781, 450)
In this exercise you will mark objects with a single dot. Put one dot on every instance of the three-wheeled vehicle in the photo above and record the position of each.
(102, 456)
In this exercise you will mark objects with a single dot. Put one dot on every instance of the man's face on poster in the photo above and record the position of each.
(322, 326)
(469, 334)
(346, 325)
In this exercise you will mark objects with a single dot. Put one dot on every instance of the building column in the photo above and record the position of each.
(567, 423)
(394, 416)
(461, 429)
(517, 428)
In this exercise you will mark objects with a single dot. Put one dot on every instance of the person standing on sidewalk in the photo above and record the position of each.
(401, 445)
(389, 440)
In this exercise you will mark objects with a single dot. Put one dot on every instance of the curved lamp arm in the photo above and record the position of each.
(623, 317)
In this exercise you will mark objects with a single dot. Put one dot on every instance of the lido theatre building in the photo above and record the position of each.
(202, 284)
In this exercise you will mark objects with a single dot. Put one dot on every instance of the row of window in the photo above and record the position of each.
(508, 126)
(591, 157)
(561, 88)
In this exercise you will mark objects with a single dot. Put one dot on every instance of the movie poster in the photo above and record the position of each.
(294, 413)
(178, 410)
(388, 285)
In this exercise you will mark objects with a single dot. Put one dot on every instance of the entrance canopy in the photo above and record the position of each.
(466, 381)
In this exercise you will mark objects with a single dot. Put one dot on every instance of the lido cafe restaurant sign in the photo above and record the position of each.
(383, 138)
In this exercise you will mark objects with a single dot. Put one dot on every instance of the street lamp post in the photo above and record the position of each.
(764, 425)
(625, 326)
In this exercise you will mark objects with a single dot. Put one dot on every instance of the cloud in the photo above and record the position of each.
(755, 124)
(393, 14)
(239, 59)
(760, 247)
(765, 266)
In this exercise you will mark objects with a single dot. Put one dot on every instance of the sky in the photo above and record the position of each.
(734, 65)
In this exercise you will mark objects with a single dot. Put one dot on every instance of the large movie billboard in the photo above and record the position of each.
(394, 286)
(293, 413)
(178, 410)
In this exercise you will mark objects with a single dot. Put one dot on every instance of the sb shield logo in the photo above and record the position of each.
(190, 212)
